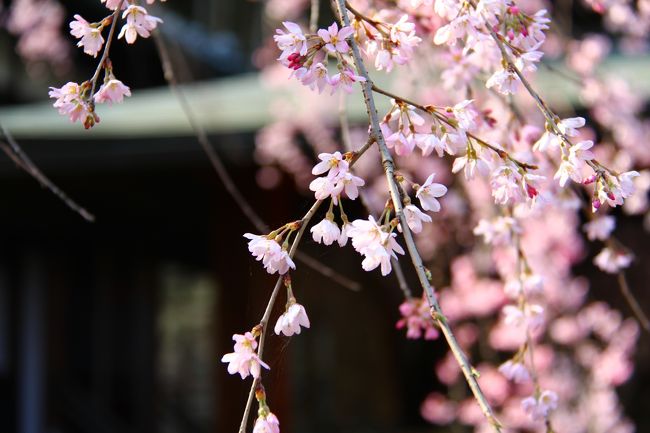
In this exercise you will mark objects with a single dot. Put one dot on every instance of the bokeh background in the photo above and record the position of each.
(118, 326)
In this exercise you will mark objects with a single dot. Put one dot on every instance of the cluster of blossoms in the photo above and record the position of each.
(266, 249)
(37, 25)
(77, 101)
(308, 55)
(519, 181)
(557, 358)
(338, 179)
(388, 43)
(416, 318)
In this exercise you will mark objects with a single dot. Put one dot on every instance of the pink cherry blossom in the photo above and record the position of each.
(267, 423)
(326, 232)
(244, 360)
(333, 163)
(415, 217)
(515, 371)
(335, 39)
(429, 192)
(270, 253)
(539, 407)
(600, 228)
(90, 36)
(612, 261)
(113, 90)
(291, 320)
(138, 23)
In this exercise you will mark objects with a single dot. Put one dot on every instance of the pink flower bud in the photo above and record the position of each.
(589, 180)
(514, 10)
(595, 204)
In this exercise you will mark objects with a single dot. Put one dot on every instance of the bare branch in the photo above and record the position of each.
(20, 158)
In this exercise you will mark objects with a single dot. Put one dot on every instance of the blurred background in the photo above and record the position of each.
(118, 326)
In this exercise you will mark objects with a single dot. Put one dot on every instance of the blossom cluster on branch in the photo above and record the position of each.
(77, 101)
(524, 179)
(519, 192)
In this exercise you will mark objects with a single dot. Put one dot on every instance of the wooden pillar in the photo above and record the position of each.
(31, 380)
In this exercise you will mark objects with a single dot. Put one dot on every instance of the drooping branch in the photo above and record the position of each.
(304, 222)
(13, 150)
(107, 49)
(389, 169)
(221, 171)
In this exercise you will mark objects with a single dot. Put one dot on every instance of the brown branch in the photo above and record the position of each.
(107, 49)
(221, 171)
(632, 301)
(20, 158)
(304, 222)
(427, 109)
(389, 168)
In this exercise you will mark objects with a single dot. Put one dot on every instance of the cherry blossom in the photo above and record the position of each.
(270, 253)
(267, 423)
(499, 231)
(471, 164)
(291, 320)
(90, 35)
(600, 228)
(415, 217)
(504, 81)
(331, 163)
(138, 23)
(375, 244)
(335, 39)
(515, 371)
(539, 407)
(416, 318)
(244, 360)
(113, 90)
(71, 102)
(293, 41)
(429, 192)
(612, 261)
(326, 232)
(568, 127)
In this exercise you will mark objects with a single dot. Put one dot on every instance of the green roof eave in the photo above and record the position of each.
(244, 103)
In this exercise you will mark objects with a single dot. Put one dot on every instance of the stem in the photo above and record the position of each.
(614, 244)
(313, 17)
(347, 144)
(107, 48)
(219, 167)
(548, 114)
(502, 153)
(632, 302)
(389, 168)
(304, 222)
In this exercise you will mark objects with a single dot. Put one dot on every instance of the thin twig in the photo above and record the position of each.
(551, 117)
(20, 158)
(632, 302)
(313, 17)
(347, 145)
(304, 222)
(107, 49)
(502, 153)
(222, 172)
(389, 167)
